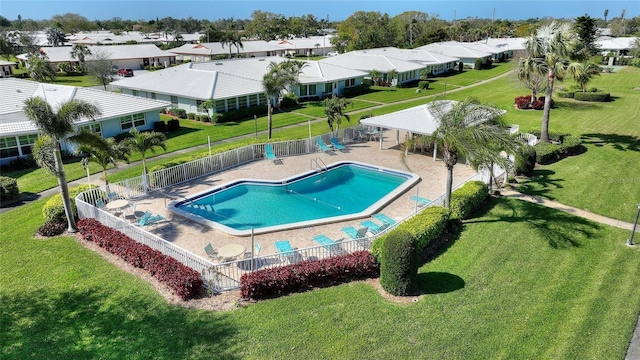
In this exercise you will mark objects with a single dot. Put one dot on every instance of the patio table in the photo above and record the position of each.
(231, 251)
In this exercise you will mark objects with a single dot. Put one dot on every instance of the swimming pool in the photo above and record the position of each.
(345, 190)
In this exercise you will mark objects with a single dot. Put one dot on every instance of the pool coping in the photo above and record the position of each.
(412, 179)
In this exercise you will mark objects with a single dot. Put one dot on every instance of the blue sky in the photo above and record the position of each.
(335, 9)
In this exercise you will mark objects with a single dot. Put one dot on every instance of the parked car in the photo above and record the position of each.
(125, 72)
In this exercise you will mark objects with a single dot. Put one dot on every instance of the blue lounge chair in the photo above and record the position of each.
(268, 152)
(384, 218)
(283, 247)
(354, 233)
(322, 146)
(332, 246)
(336, 144)
(99, 203)
(420, 200)
(148, 219)
(373, 227)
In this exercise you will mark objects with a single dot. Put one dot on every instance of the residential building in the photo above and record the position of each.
(216, 50)
(466, 52)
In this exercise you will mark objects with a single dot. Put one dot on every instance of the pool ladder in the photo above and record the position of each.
(320, 165)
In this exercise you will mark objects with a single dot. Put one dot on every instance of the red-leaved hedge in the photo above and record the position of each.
(273, 282)
(183, 280)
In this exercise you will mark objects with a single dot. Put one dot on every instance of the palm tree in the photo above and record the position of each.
(583, 72)
(530, 78)
(465, 128)
(143, 142)
(391, 75)
(100, 150)
(549, 51)
(334, 108)
(232, 38)
(274, 82)
(57, 125)
(80, 51)
(375, 76)
(40, 70)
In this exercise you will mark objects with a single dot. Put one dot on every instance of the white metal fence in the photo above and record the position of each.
(226, 276)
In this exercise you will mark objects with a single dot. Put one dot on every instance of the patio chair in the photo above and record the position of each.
(420, 200)
(100, 203)
(131, 213)
(149, 220)
(336, 144)
(211, 252)
(284, 249)
(333, 246)
(268, 152)
(354, 233)
(322, 146)
(112, 196)
(373, 227)
(384, 218)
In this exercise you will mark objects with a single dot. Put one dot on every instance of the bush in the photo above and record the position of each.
(159, 126)
(242, 114)
(477, 64)
(203, 117)
(181, 113)
(356, 90)
(52, 228)
(8, 188)
(283, 280)
(53, 210)
(191, 116)
(523, 104)
(468, 198)
(21, 163)
(525, 162)
(184, 281)
(398, 262)
(215, 117)
(565, 94)
(423, 85)
(289, 100)
(547, 153)
(173, 125)
(593, 97)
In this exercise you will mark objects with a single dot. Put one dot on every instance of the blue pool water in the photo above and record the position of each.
(343, 191)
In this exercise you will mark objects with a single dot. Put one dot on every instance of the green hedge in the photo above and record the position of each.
(564, 94)
(8, 188)
(181, 113)
(547, 153)
(525, 162)
(468, 198)
(593, 97)
(53, 210)
(423, 84)
(399, 262)
(242, 114)
(356, 90)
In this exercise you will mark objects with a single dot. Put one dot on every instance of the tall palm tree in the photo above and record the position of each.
(101, 151)
(232, 38)
(334, 108)
(80, 51)
(143, 142)
(57, 125)
(278, 78)
(549, 50)
(465, 128)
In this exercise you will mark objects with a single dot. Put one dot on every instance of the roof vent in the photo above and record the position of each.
(262, 59)
(218, 63)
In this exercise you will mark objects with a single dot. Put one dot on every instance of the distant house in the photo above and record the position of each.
(617, 46)
(310, 46)
(6, 68)
(120, 113)
(134, 57)
(215, 50)
(466, 52)
(508, 46)
(233, 84)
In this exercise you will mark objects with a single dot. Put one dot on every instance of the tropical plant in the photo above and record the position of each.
(232, 38)
(40, 70)
(531, 80)
(583, 72)
(375, 76)
(391, 75)
(80, 51)
(549, 50)
(278, 78)
(465, 128)
(100, 150)
(57, 125)
(334, 109)
(143, 142)
(55, 36)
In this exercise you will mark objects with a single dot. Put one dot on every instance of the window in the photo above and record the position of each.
(134, 92)
(303, 90)
(174, 101)
(350, 82)
(153, 96)
(220, 106)
(26, 143)
(312, 90)
(8, 147)
(262, 99)
(327, 87)
(129, 121)
(253, 100)
(96, 128)
(307, 90)
(242, 102)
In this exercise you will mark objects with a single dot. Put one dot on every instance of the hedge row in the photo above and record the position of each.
(53, 209)
(184, 281)
(356, 90)
(278, 281)
(594, 97)
(547, 153)
(8, 188)
(468, 198)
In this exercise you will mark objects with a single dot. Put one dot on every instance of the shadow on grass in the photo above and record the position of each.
(560, 229)
(437, 283)
(618, 142)
(181, 131)
(540, 184)
(101, 323)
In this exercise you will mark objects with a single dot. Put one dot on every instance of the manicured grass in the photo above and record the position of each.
(521, 281)
(316, 108)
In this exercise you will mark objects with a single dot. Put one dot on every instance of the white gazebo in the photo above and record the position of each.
(422, 119)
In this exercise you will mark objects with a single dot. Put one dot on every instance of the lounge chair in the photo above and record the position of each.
(384, 218)
(354, 233)
(327, 243)
(268, 152)
(373, 227)
(322, 146)
(336, 144)
(211, 252)
(148, 219)
(286, 251)
(420, 200)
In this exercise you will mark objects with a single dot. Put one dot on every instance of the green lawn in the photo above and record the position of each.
(521, 281)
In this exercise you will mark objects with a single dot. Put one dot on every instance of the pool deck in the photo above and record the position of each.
(193, 236)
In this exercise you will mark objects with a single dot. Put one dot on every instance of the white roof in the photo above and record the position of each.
(423, 57)
(458, 49)
(226, 78)
(505, 44)
(14, 92)
(620, 43)
(107, 37)
(304, 43)
(364, 61)
(422, 119)
(115, 52)
(217, 48)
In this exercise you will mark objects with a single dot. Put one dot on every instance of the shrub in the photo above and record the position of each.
(565, 94)
(477, 64)
(215, 117)
(542, 98)
(537, 105)
(398, 262)
(525, 161)
(184, 281)
(423, 85)
(466, 199)
(356, 90)
(203, 117)
(242, 114)
(53, 210)
(8, 188)
(21, 163)
(547, 153)
(191, 116)
(572, 145)
(593, 97)
(278, 281)
(181, 113)
(159, 126)
(523, 104)
(289, 100)
(173, 125)
(52, 228)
